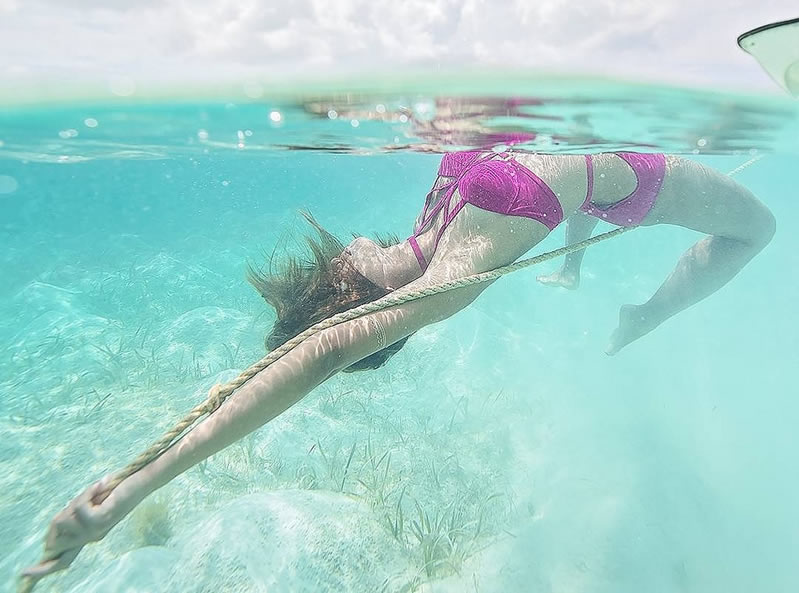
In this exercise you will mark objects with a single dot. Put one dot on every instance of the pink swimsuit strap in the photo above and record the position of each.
(649, 169)
(453, 165)
(497, 185)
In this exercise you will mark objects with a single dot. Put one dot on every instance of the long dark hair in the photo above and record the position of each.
(306, 290)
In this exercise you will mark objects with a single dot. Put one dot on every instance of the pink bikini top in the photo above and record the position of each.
(491, 181)
(496, 182)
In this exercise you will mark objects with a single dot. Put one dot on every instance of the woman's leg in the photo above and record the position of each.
(579, 227)
(738, 227)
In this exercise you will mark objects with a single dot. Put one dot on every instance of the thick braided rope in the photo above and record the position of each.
(743, 166)
(220, 393)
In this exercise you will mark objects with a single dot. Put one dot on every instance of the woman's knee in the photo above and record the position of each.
(708, 201)
(750, 220)
(762, 227)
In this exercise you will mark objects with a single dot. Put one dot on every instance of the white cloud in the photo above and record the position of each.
(689, 41)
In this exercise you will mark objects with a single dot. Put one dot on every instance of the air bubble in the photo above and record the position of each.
(90, 122)
(275, 116)
(253, 90)
(355, 123)
(380, 108)
(332, 114)
(701, 142)
(202, 134)
(8, 185)
(122, 86)
(422, 107)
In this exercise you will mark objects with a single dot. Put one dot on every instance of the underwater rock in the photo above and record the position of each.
(40, 297)
(151, 523)
(293, 540)
(144, 570)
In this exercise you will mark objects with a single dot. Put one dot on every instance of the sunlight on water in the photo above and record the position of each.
(633, 117)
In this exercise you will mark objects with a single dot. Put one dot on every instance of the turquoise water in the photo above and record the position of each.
(126, 230)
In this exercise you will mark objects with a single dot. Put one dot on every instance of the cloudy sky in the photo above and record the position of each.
(679, 41)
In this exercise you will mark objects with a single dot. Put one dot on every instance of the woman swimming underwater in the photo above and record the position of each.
(485, 210)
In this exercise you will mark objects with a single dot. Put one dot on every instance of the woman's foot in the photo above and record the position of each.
(561, 278)
(634, 322)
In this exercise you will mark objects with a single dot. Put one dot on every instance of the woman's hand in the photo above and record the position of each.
(81, 522)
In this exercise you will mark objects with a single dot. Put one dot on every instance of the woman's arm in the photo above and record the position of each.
(579, 227)
(388, 267)
(264, 397)
(288, 380)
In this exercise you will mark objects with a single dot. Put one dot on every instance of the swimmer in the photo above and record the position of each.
(484, 211)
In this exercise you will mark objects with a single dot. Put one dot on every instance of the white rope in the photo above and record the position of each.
(740, 168)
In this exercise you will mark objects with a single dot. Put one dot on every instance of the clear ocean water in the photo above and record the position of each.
(499, 451)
